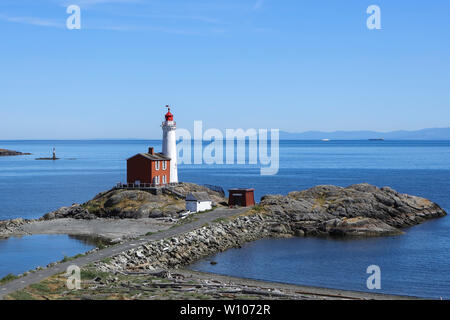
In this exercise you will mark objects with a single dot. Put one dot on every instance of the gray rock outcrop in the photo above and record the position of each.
(135, 204)
(9, 227)
(360, 209)
(5, 152)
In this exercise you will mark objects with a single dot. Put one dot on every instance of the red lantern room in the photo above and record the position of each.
(169, 115)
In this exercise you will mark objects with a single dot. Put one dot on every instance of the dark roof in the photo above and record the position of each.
(198, 196)
(154, 157)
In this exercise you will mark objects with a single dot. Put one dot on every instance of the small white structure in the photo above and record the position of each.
(198, 202)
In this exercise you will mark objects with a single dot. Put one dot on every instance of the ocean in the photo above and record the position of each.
(416, 263)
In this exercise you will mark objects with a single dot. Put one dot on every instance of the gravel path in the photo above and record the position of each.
(104, 228)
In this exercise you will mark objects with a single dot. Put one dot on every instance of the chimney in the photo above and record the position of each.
(150, 150)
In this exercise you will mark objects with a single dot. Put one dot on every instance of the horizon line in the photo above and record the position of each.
(283, 139)
(281, 131)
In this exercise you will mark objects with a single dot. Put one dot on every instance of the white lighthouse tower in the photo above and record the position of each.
(169, 147)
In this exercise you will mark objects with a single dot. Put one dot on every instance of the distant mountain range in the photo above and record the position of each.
(424, 134)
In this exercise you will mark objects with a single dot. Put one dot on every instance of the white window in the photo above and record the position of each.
(157, 165)
(164, 165)
(156, 180)
(164, 178)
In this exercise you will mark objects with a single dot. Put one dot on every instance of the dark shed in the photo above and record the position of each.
(241, 197)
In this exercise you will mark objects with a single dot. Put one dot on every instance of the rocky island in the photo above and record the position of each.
(5, 152)
(356, 211)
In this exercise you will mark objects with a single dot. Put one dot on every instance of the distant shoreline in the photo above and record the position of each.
(428, 134)
(147, 141)
(7, 153)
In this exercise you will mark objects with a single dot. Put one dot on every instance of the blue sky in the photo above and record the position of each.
(295, 65)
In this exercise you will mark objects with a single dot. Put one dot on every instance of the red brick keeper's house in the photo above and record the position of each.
(148, 168)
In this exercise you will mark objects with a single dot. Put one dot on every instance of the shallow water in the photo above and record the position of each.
(410, 264)
(20, 254)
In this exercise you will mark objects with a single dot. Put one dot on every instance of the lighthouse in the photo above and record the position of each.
(169, 146)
